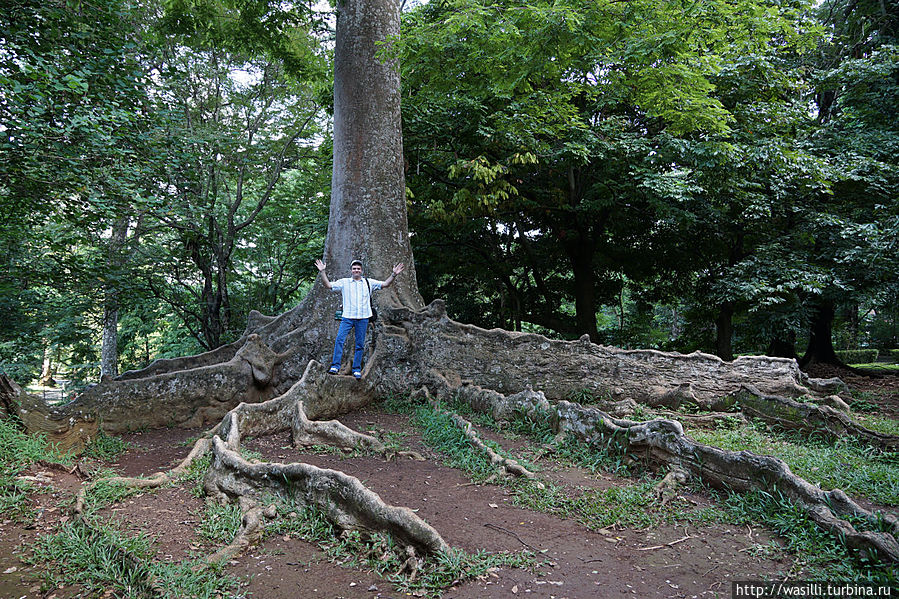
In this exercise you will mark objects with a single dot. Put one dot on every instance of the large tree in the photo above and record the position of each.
(272, 380)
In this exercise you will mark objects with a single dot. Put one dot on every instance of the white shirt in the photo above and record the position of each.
(356, 296)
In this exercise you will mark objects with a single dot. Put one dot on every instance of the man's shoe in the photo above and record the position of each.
(334, 370)
(357, 374)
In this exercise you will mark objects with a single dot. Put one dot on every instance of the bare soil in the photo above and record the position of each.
(574, 561)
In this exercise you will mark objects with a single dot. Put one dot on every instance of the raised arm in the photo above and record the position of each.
(321, 268)
(396, 270)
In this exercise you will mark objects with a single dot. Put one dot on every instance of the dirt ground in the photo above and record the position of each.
(574, 562)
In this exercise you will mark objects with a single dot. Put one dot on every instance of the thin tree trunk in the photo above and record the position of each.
(724, 329)
(109, 351)
(580, 256)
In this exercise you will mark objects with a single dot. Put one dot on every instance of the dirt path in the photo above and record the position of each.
(574, 562)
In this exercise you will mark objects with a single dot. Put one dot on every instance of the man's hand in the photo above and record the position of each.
(399, 268)
(321, 269)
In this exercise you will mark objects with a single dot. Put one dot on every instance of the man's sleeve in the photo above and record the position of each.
(338, 284)
(375, 284)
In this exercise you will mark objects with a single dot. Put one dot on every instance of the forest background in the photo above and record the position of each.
(715, 176)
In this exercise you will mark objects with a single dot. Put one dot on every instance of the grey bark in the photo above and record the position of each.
(109, 350)
(368, 192)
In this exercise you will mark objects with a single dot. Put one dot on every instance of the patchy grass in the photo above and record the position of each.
(820, 555)
(220, 523)
(105, 447)
(18, 451)
(195, 474)
(881, 424)
(100, 558)
(844, 464)
(104, 492)
(878, 367)
(378, 553)
(636, 505)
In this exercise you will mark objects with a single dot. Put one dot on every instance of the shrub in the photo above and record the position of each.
(857, 356)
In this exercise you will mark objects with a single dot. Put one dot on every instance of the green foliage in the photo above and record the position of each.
(844, 464)
(857, 356)
(635, 505)
(104, 492)
(220, 523)
(105, 447)
(821, 554)
(379, 553)
(17, 451)
(100, 557)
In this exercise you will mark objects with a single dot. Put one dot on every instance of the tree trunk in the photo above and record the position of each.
(784, 347)
(820, 344)
(109, 351)
(724, 330)
(422, 348)
(368, 191)
(48, 370)
(853, 321)
(580, 256)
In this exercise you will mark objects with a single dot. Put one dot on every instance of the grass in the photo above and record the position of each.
(820, 555)
(18, 451)
(378, 553)
(104, 493)
(844, 464)
(881, 424)
(100, 558)
(220, 523)
(635, 505)
(878, 367)
(816, 553)
(105, 447)
(195, 474)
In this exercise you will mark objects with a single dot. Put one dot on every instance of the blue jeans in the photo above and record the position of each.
(360, 325)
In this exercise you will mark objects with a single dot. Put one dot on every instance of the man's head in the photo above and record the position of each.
(356, 269)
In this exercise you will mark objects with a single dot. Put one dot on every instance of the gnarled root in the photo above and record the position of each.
(200, 448)
(343, 499)
(250, 532)
(505, 465)
(663, 442)
(793, 415)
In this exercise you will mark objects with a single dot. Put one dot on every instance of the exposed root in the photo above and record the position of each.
(410, 566)
(666, 489)
(663, 443)
(343, 499)
(250, 532)
(711, 420)
(793, 415)
(506, 465)
(159, 479)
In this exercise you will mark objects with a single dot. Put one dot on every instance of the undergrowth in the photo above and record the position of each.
(380, 554)
(636, 505)
(104, 446)
(18, 451)
(844, 464)
(816, 553)
(220, 523)
(102, 559)
(819, 555)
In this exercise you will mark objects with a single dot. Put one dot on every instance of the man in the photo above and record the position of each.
(356, 292)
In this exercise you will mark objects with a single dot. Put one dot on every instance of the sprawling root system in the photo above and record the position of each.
(272, 381)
